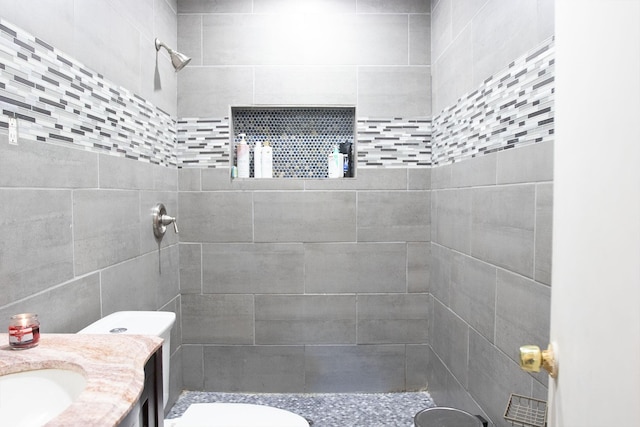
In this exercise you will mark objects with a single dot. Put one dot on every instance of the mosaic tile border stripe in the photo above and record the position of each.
(396, 142)
(58, 100)
(514, 107)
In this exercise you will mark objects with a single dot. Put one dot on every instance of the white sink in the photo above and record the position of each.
(32, 398)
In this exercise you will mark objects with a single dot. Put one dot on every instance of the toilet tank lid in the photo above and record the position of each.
(157, 323)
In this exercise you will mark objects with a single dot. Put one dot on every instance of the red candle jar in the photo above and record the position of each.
(24, 331)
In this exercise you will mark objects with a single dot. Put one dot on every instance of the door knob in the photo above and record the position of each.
(532, 358)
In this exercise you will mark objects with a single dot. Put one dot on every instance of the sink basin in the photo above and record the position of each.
(32, 398)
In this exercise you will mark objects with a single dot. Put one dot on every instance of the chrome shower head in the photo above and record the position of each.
(179, 60)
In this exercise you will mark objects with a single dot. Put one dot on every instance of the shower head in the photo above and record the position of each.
(179, 60)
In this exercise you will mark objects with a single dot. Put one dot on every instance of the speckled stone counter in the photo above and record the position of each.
(326, 409)
(112, 364)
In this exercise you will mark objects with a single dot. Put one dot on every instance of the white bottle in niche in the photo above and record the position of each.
(242, 155)
(267, 160)
(257, 160)
(335, 163)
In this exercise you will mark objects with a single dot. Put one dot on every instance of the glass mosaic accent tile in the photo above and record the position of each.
(514, 107)
(301, 137)
(59, 100)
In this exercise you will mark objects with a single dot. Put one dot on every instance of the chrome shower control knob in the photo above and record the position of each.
(161, 220)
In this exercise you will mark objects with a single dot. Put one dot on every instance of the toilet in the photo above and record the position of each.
(159, 323)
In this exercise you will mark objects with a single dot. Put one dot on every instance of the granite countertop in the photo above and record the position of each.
(112, 364)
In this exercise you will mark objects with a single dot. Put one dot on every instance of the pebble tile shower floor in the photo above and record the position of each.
(326, 410)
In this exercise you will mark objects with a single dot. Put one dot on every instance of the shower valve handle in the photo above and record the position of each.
(161, 220)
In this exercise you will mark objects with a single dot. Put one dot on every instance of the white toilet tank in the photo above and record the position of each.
(156, 323)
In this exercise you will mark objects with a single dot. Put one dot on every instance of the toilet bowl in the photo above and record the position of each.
(159, 323)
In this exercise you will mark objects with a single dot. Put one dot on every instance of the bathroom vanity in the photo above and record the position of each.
(123, 376)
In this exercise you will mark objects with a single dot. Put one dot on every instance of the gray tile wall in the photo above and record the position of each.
(372, 54)
(490, 270)
(467, 46)
(75, 229)
(77, 243)
(305, 285)
(104, 35)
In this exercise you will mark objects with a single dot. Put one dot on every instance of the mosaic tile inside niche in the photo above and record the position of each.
(59, 100)
(514, 107)
(301, 138)
(393, 142)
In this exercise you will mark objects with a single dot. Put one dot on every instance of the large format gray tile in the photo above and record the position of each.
(420, 39)
(492, 377)
(440, 272)
(190, 268)
(215, 217)
(441, 28)
(416, 376)
(190, 37)
(106, 228)
(208, 91)
(123, 173)
(37, 20)
(474, 172)
(355, 267)
(394, 216)
(544, 231)
(305, 216)
(366, 179)
(393, 319)
(452, 218)
(522, 313)
(398, 6)
(253, 268)
(491, 50)
(219, 179)
(305, 319)
(502, 228)
(300, 85)
(381, 39)
(143, 283)
(261, 369)
(418, 178)
(418, 266)
(189, 179)
(285, 6)
(450, 340)
(394, 91)
(441, 177)
(218, 6)
(217, 319)
(370, 368)
(193, 367)
(473, 293)
(35, 241)
(453, 71)
(530, 163)
(34, 164)
(62, 309)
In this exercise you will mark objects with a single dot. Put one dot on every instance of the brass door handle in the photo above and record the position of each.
(532, 358)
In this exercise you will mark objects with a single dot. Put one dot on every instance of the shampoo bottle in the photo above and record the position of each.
(267, 160)
(242, 154)
(257, 160)
(335, 163)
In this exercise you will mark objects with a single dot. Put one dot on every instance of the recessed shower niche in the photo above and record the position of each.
(301, 138)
